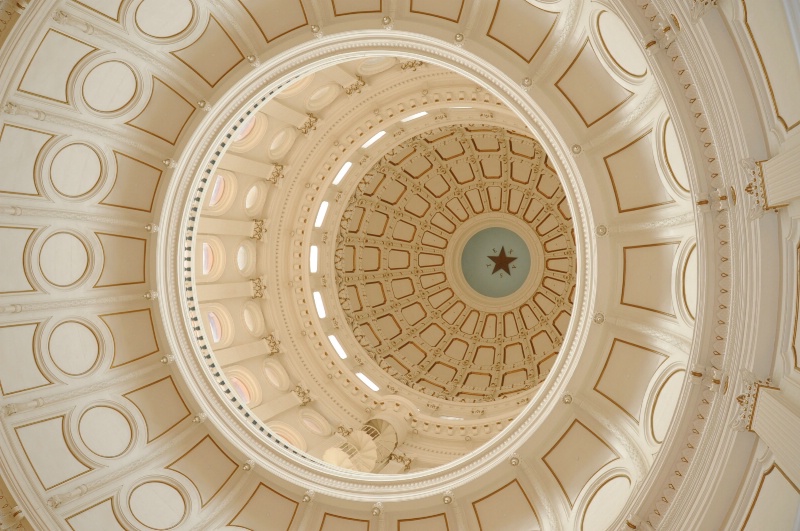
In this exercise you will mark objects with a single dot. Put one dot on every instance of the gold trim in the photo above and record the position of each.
(228, 71)
(192, 19)
(83, 275)
(36, 163)
(683, 280)
(296, 504)
(66, 445)
(97, 340)
(176, 486)
(595, 493)
(544, 39)
(605, 366)
(25, 254)
(69, 76)
(118, 154)
(137, 91)
(34, 337)
(666, 157)
(180, 397)
(576, 421)
(109, 499)
(327, 514)
(611, 55)
(149, 100)
(761, 484)
(766, 76)
(444, 515)
(525, 494)
(658, 395)
(305, 23)
(617, 106)
(100, 178)
(114, 339)
(144, 260)
(130, 424)
(119, 10)
(337, 14)
(457, 19)
(203, 503)
(614, 184)
(625, 271)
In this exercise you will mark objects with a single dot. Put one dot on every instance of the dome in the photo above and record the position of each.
(432, 265)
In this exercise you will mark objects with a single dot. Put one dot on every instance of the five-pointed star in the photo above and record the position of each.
(502, 261)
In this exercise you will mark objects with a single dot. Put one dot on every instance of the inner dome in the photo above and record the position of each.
(370, 283)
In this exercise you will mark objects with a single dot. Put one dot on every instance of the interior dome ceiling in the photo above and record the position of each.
(166, 364)
(399, 254)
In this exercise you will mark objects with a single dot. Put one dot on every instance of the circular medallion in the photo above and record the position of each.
(495, 262)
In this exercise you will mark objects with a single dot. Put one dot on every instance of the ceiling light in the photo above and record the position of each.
(337, 347)
(342, 172)
(414, 116)
(320, 306)
(369, 383)
(374, 139)
(323, 208)
(313, 257)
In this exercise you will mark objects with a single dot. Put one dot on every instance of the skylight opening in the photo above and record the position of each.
(374, 139)
(414, 116)
(323, 209)
(337, 347)
(313, 257)
(461, 107)
(319, 304)
(342, 173)
(369, 383)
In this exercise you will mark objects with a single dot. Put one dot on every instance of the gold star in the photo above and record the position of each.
(502, 261)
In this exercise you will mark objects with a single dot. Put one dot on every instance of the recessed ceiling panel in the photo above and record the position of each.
(647, 277)
(521, 27)
(634, 176)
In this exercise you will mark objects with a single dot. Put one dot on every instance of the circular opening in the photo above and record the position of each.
(241, 389)
(208, 258)
(215, 326)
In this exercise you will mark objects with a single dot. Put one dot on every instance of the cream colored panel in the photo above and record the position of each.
(74, 348)
(19, 151)
(776, 503)
(770, 32)
(161, 406)
(293, 16)
(572, 474)
(64, 259)
(166, 113)
(282, 510)
(348, 7)
(590, 89)
(109, 86)
(135, 186)
(157, 505)
(124, 260)
(212, 55)
(446, 9)
(634, 176)
(647, 277)
(46, 448)
(164, 19)
(106, 431)
(506, 508)
(207, 467)
(689, 282)
(673, 156)
(76, 170)
(627, 374)
(664, 405)
(332, 522)
(13, 278)
(52, 66)
(21, 371)
(605, 504)
(620, 45)
(521, 27)
(133, 333)
(436, 522)
(99, 516)
(107, 8)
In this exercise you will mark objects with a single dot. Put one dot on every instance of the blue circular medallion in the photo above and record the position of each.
(495, 262)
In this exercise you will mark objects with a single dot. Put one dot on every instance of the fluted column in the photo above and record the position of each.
(776, 420)
(782, 177)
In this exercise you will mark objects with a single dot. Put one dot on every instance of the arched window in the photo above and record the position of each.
(221, 193)
(215, 326)
(210, 258)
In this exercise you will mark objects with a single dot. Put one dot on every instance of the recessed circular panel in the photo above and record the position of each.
(164, 18)
(157, 505)
(73, 348)
(75, 170)
(295, 87)
(620, 45)
(690, 282)
(105, 431)
(606, 503)
(675, 161)
(109, 86)
(63, 259)
(495, 262)
(375, 65)
(322, 97)
(282, 143)
(664, 407)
